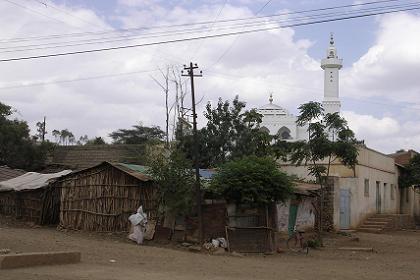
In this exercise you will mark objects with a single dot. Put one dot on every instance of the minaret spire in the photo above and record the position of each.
(331, 66)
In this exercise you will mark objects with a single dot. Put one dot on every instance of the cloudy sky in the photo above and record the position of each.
(97, 93)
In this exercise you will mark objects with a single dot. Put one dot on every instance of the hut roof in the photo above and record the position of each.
(137, 171)
(30, 181)
(82, 157)
(7, 173)
(304, 188)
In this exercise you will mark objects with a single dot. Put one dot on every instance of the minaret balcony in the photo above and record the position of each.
(332, 63)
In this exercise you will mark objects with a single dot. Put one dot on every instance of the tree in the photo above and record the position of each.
(175, 181)
(66, 137)
(252, 180)
(329, 139)
(230, 133)
(165, 87)
(411, 176)
(41, 130)
(17, 149)
(96, 141)
(56, 134)
(139, 134)
(83, 140)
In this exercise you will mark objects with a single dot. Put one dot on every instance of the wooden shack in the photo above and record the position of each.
(31, 197)
(102, 197)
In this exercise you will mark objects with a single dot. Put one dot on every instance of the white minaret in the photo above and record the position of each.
(331, 65)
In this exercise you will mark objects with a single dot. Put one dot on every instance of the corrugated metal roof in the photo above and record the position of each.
(30, 181)
(139, 168)
(7, 173)
(207, 173)
(137, 171)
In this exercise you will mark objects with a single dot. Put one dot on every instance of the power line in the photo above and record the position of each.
(35, 11)
(321, 9)
(66, 12)
(77, 79)
(193, 23)
(187, 31)
(209, 36)
(211, 27)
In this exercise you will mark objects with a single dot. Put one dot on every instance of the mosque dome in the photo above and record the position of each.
(272, 109)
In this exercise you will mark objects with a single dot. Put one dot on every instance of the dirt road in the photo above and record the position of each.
(397, 257)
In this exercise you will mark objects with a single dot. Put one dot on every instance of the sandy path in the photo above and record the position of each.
(397, 258)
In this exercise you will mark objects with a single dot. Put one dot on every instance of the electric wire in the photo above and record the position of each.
(178, 40)
(52, 6)
(189, 24)
(188, 31)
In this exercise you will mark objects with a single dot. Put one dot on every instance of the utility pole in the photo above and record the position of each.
(190, 73)
(43, 130)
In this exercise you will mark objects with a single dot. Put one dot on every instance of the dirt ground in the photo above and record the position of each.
(106, 256)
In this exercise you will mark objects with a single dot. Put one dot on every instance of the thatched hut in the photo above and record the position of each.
(31, 197)
(102, 197)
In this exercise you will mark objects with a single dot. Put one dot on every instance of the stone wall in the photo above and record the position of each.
(328, 205)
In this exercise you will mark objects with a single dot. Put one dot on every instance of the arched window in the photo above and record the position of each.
(284, 133)
(264, 129)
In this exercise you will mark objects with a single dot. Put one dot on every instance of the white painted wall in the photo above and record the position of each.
(305, 219)
(410, 202)
(374, 166)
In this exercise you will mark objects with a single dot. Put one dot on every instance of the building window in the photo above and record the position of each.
(407, 196)
(392, 192)
(366, 187)
(284, 133)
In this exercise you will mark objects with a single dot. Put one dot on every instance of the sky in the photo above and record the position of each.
(379, 82)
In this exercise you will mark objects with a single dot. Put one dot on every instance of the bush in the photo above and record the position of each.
(252, 180)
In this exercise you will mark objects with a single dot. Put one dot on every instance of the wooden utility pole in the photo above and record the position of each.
(190, 73)
(43, 130)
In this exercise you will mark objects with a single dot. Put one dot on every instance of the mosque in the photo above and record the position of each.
(278, 121)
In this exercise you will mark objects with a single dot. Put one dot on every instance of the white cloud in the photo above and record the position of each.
(368, 127)
(255, 65)
(390, 68)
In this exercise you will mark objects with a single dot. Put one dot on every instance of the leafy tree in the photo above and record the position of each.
(17, 149)
(230, 133)
(66, 137)
(139, 134)
(56, 133)
(41, 130)
(175, 181)
(411, 176)
(83, 140)
(329, 139)
(96, 141)
(252, 180)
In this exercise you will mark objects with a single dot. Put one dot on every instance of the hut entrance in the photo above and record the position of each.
(250, 230)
